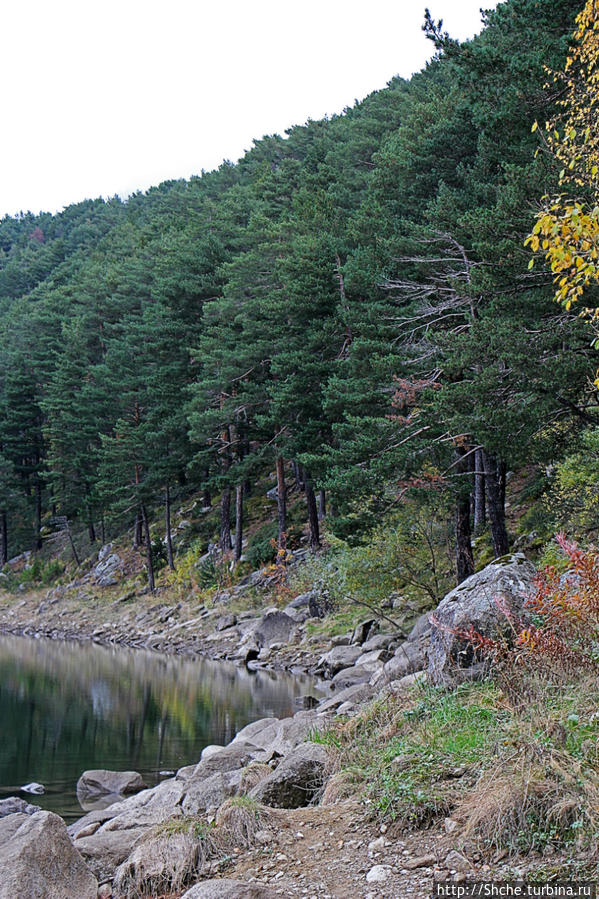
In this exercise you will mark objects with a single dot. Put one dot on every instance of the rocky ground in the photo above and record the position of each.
(261, 824)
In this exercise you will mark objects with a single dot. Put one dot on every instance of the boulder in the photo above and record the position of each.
(364, 630)
(99, 782)
(109, 565)
(106, 846)
(14, 805)
(274, 627)
(486, 601)
(229, 889)
(277, 737)
(337, 658)
(350, 676)
(380, 641)
(230, 758)
(374, 659)
(37, 858)
(225, 622)
(421, 630)
(356, 694)
(297, 780)
(203, 793)
(408, 658)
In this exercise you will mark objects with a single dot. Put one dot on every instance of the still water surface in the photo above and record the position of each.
(68, 707)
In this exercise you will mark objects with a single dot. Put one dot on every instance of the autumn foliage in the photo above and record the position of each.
(567, 226)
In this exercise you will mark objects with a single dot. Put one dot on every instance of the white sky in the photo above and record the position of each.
(104, 98)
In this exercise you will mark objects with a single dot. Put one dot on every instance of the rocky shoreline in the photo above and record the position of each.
(270, 772)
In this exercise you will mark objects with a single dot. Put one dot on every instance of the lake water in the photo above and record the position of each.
(68, 707)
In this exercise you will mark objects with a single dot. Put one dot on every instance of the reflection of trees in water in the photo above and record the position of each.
(69, 706)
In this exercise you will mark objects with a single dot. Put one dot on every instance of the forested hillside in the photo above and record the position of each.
(350, 305)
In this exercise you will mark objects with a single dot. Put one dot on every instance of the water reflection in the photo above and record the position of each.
(67, 707)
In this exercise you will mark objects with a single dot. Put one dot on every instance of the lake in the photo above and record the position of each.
(68, 707)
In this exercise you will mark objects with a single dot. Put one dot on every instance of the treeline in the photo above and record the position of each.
(353, 299)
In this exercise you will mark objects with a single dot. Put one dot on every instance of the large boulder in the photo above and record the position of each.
(273, 627)
(297, 779)
(37, 859)
(229, 889)
(488, 602)
(99, 782)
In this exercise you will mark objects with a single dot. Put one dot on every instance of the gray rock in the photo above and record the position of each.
(276, 737)
(405, 683)
(342, 639)
(297, 779)
(356, 694)
(35, 788)
(380, 641)
(202, 793)
(122, 823)
(364, 631)
(14, 804)
(374, 659)
(230, 758)
(485, 601)
(229, 889)
(350, 676)
(421, 629)
(274, 627)
(38, 859)
(104, 851)
(99, 782)
(338, 658)
(225, 622)
(104, 574)
(408, 658)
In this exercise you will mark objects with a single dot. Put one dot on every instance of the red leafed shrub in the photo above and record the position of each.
(559, 631)
(564, 613)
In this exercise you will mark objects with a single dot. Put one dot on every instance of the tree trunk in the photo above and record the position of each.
(463, 535)
(225, 524)
(299, 475)
(281, 503)
(3, 539)
(167, 522)
(137, 531)
(495, 504)
(463, 539)
(312, 514)
(206, 495)
(103, 530)
(148, 541)
(72, 542)
(322, 505)
(480, 506)
(38, 515)
(238, 521)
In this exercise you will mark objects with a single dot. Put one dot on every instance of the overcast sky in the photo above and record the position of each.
(104, 98)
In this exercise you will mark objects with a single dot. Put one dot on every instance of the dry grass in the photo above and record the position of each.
(166, 860)
(536, 795)
(238, 820)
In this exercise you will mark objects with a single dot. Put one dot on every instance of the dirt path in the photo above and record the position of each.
(327, 852)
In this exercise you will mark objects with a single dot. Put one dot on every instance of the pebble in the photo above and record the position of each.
(378, 874)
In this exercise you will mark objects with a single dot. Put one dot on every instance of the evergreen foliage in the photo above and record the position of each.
(353, 299)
